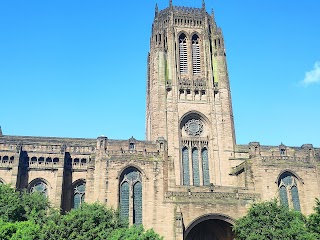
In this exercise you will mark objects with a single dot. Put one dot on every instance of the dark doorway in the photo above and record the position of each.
(209, 229)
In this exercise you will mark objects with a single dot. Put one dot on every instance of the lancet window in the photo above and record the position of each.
(288, 191)
(194, 151)
(196, 66)
(183, 53)
(199, 164)
(79, 191)
(205, 167)
(195, 167)
(131, 196)
(185, 166)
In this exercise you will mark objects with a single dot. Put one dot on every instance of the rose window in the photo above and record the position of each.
(193, 127)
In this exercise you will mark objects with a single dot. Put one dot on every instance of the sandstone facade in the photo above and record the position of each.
(189, 179)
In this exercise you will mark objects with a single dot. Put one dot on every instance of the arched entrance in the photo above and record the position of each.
(210, 227)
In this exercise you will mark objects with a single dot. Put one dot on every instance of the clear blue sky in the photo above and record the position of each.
(78, 68)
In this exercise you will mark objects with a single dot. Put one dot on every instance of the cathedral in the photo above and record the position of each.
(188, 179)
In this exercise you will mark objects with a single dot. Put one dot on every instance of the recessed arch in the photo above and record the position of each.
(215, 224)
(39, 179)
(132, 166)
(131, 195)
(195, 33)
(288, 171)
(289, 190)
(192, 114)
(78, 181)
(39, 185)
(194, 134)
(196, 54)
(183, 42)
(185, 34)
(79, 192)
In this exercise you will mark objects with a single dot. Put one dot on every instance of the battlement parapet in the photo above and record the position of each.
(285, 159)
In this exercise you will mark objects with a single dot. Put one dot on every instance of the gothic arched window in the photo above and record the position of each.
(39, 186)
(183, 53)
(288, 191)
(79, 190)
(131, 185)
(205, 167)
(195, 167)
(185, 166)
(194, 157)
(196, 68)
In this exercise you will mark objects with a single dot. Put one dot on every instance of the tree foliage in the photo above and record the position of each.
(30, 217)
(21, 206)
(313, 222)
(90, 221)
(269, 220)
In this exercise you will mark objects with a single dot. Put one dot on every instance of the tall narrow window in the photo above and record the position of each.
(283, 195)
(205, 167)
(124, 200)
(137, 203)
(196, 68)
(131, 185)
(185, 166)
(78, 194)
(183, 53)
(195, 167)
(288, 191)
(295, 198)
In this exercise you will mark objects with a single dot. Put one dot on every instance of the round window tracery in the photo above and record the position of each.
(193, 127)
(40, 187)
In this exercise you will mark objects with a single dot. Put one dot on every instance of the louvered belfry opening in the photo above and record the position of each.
(196, 66)
(183, 53)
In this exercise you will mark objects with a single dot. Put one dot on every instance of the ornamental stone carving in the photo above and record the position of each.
(194, 127)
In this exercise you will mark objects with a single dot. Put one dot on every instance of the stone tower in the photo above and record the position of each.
(188, 95)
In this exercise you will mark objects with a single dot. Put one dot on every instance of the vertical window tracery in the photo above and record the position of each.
(195, 167)
(124, 200)
(131, 185)
(79, 194)
(288, 191)
(183, 53)
(137, 203)
(194, 159)
(185, 166)
(196, 68)
(205, 167)
(39, 186)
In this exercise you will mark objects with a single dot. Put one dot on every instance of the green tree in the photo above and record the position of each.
(29, 217)
(21, 206)
(93, 221)
(25, 230)
(269, 220)
(313, 221)
(134, 233)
